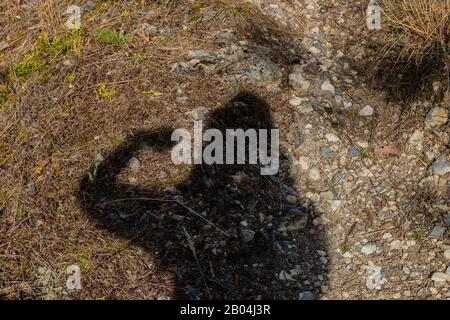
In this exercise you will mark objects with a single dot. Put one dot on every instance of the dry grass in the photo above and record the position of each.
(417, 28)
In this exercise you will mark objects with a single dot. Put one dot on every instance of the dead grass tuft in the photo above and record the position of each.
(417, 29)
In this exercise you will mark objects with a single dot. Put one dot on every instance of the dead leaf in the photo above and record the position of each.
(391, 149)
(38, 171)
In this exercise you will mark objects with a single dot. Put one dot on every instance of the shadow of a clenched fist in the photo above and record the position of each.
(225, 231)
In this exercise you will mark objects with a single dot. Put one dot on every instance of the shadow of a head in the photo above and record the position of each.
(225, 231)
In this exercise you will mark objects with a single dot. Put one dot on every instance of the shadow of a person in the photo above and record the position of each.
(226, 232)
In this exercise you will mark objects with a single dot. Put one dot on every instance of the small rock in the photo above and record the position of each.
(446, 219)
(305, 109)
(396, 245)
(199, 113)
(353, 152)
(327, 195)
(362, 143)
(440, 167)
(436, 117)
(314, 174)
(295, 102)
(134, 164)
(298, 222)
(201, 55)
(297, 81)
(247, 235)
(447, 254)
(367, 111)
(368, 249)
(304, 163)
(437, 232)
(285, 276)
(328, 87)
(416, 139)
(336, 178)
(291, 199)
(306, 295)
(150, 14)
(226, 37)
(326, 152)
(332, 138)
(149, 28)
(181, 100)
(177, 217)
(439, 279)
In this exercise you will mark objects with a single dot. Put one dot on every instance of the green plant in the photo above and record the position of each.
(106, 94)
(46, 50)
(93, 174)
(112, 37)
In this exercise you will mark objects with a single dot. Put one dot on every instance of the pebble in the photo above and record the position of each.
(306, 295)
(446, 219)
(368, 249)
(353, 152)
(291, 199)
(181, 100)
(201, 55)
(440, 167)
(304, 163)
(326, 152)
(396, 245)
(150, 14)
(367, 111)
(134, 164)
(314, 174)
(305, 109)
(416, 139)
(337, 177)
(297, 81)
(328, 87)
(199, 113)
(295, 102)
(437, 232)
(332, 138)
(149, 28)
(447, 254)
(362, 143)
(439, 279)
(247, 235)
(436, 117)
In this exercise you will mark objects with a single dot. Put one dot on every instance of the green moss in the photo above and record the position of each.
(106, 94)
(112, 37)
(45, 51)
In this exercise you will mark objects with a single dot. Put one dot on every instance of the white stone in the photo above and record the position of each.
(332, 138)
(416, 139)
(297, 81)
(440, 167)
(367, 111)
(368, 249)
(304, 163)
(134, 164)
(447, 254)
(328, 87)
(396, 245)
(439, 279)
(314, 174)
